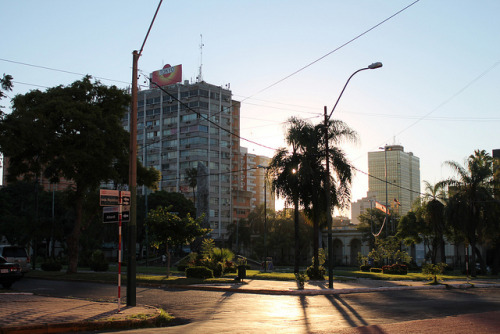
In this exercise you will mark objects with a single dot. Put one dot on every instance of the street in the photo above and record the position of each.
(210, 312)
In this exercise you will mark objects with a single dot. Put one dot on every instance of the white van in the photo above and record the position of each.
(16, 254)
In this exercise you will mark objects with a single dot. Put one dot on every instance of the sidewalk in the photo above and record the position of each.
(28, 313)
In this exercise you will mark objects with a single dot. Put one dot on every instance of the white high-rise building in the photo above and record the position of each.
(403, 177)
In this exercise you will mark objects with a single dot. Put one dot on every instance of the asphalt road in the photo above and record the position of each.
(225, 312)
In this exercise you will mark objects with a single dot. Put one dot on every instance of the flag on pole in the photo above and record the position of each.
(381, 207)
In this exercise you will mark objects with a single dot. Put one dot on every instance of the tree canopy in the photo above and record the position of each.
(72, 132)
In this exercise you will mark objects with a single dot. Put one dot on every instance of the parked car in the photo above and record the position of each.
(9, 272)
(16, 254)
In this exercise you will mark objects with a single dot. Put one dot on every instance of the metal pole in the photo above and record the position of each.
(132, 226)
(386, 200)
(328, 204)
(265, 225)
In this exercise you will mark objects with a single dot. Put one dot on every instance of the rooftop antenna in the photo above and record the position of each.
(200, 75)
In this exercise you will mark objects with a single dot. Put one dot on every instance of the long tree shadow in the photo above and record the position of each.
(348, 312)
(304, 304)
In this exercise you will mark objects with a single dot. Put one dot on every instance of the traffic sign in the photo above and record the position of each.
(125, 197)
(110, 214)
(109, 197)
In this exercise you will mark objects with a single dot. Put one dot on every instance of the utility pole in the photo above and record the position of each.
(328, 204)
(132, 225)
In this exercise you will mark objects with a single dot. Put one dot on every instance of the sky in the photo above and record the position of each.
(436, 94)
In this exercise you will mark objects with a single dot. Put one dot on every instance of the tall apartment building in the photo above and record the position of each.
(184, 124)
(403, 177)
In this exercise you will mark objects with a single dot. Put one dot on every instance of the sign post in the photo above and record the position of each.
(116, 208)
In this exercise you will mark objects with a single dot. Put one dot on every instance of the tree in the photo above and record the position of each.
(471, 210)
(306, 185)
(192, 179)
(171, 230)
(6, 86)
(72, 132)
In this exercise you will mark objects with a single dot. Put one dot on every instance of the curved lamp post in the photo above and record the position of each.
(327, 174)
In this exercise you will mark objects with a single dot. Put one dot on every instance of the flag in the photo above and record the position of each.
(396, 202)
(381, 207)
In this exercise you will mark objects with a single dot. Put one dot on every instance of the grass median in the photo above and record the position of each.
(157, 276)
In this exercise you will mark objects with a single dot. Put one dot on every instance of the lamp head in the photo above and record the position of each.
(375, 65)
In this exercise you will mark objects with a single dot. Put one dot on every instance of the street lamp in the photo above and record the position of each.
(265, 218)
(327, 175)
(386, 199)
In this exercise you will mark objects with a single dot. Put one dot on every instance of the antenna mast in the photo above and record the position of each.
(200, 75)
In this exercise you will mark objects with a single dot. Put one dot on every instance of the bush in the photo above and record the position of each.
(51, 265)
(98, 262)
(395, 269)
(314, 274)
(365, 268)
(375, 270)
(199, 272)
(182, 267)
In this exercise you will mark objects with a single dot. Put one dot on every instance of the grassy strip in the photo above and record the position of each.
(148, 276)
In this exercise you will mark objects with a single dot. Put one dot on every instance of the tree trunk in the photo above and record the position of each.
(74, 237)
(316, 243)
(296, 226)
(168, 262)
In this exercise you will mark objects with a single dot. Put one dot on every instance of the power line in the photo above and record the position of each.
(59, 70)
(334, 50)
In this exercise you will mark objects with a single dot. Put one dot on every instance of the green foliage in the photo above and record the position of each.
(98, 262)
(365, 268)
(199, 272)
(51, 265)
(433, 270)
(395, 269)
(316, 274)
(72, 132)
(168, 228)
(217, 259)
(388, 249)
(6, 86)
(375, 270)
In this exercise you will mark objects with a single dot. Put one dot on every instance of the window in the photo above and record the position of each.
(169, 120)
(189, 117)
(214, 142)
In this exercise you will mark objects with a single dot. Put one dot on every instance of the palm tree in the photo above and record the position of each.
(433, 215)
(192, 179)
(306, 185)
(471, 203)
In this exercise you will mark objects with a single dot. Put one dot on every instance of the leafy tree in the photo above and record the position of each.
(72, 132)
(171, 230)
(471, 210)
(371, 223)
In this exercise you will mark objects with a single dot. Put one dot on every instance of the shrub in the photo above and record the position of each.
(98, 262)
(230, 267)
(433, 270)
(182, 267)
(395, 269)
(199, 272)
(375, 270)
(51, 265)
(365, 268)
(314, 274)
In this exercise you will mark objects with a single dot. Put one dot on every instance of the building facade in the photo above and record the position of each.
(403, 177)
(185, 124)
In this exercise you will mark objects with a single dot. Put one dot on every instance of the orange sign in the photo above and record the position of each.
(168, 75)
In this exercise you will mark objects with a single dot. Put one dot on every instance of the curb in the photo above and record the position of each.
(314, 292)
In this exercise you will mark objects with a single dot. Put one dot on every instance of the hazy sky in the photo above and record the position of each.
(437, 93)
